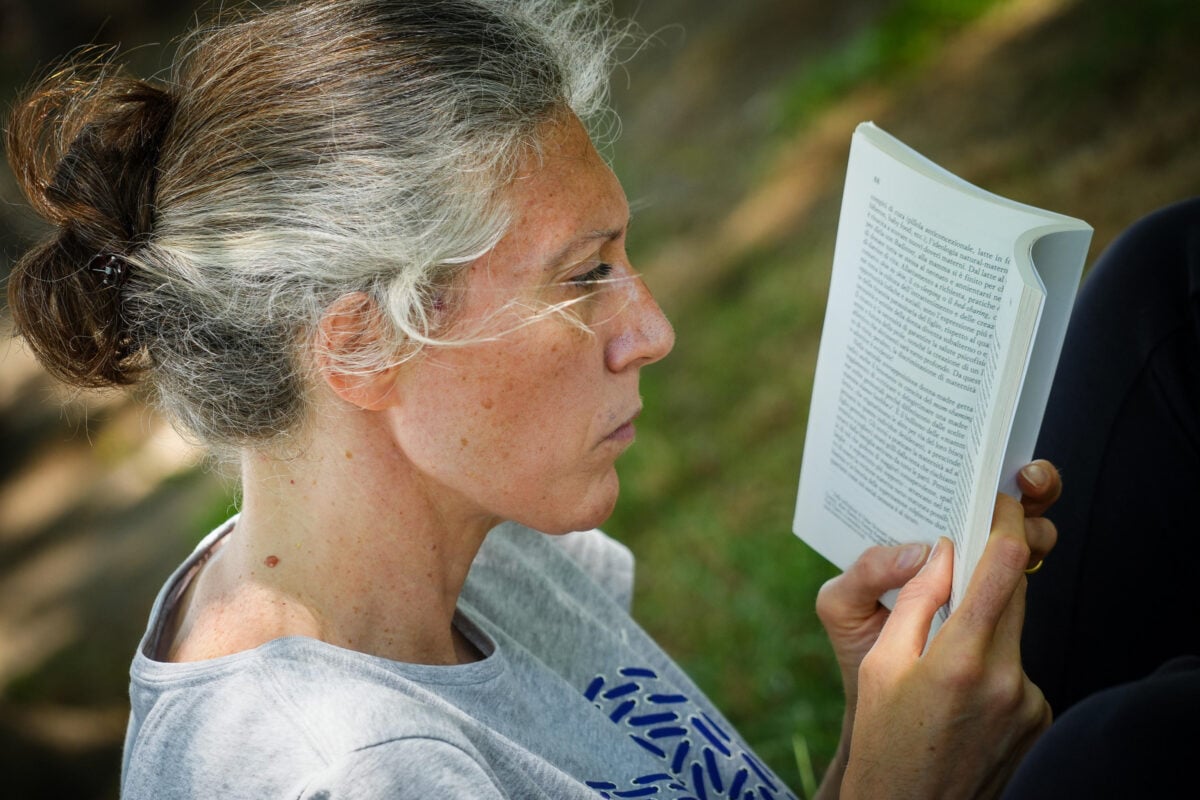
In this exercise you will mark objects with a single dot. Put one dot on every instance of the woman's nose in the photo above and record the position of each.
(644, 335)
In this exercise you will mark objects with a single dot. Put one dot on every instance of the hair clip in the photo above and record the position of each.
(112, 267)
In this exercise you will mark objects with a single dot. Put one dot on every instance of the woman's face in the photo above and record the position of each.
(528, 426)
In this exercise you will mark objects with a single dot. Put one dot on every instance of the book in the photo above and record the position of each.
(947, 309)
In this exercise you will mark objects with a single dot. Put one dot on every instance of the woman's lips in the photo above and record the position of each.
(625, 432)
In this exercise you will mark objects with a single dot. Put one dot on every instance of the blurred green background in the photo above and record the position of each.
(736, 125)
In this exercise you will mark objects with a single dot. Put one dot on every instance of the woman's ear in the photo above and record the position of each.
(351, 334)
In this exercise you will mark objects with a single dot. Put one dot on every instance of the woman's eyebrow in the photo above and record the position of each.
(602, 235)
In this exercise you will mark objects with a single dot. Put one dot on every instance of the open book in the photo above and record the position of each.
(946, 315)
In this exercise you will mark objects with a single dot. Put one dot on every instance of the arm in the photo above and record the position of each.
(855, 621)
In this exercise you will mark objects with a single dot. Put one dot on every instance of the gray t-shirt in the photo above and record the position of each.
(572, 700)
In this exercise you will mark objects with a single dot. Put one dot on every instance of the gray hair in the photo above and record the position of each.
(296, 155)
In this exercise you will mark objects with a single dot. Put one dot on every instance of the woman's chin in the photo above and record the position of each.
(590, 512)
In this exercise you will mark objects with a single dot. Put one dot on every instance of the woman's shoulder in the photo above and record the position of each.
(290, 708)
(299, 718)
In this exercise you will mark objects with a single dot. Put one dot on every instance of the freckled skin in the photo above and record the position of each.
(538, 403)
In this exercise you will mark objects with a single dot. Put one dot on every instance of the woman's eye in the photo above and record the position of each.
(593, 276)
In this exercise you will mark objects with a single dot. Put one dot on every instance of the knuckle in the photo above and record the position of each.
(1046, 532)
(872, 668)
(827, 599)
(1011, 552)
(1007, 690)
(920, 592)
(912, 590)
(869, 566)
(965, 672)
(1001, 688)
(1042, 713)
(1008, 504)
(1038, 527)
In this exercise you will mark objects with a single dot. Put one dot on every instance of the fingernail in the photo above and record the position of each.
(1035, 474)
(911, 555)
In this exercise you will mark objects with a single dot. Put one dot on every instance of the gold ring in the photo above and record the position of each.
(1035, 567)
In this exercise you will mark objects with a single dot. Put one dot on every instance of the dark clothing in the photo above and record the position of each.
(1120, 593)
(1137, 740)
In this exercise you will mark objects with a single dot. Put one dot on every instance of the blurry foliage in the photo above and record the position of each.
(1124, 37)
(900, 39)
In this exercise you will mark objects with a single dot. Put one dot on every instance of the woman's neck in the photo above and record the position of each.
(346, 544)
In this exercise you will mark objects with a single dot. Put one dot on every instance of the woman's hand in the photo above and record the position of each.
(853, 618)
(849, 608)
(1041, 487)
(955, 720)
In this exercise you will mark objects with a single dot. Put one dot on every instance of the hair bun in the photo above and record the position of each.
(84, 145)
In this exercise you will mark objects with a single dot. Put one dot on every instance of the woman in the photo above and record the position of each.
(368, 249)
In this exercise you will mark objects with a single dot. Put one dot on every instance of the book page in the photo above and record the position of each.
(920, 366)
(922, 301)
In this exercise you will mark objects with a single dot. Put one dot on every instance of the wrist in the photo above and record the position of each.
(832, 783)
